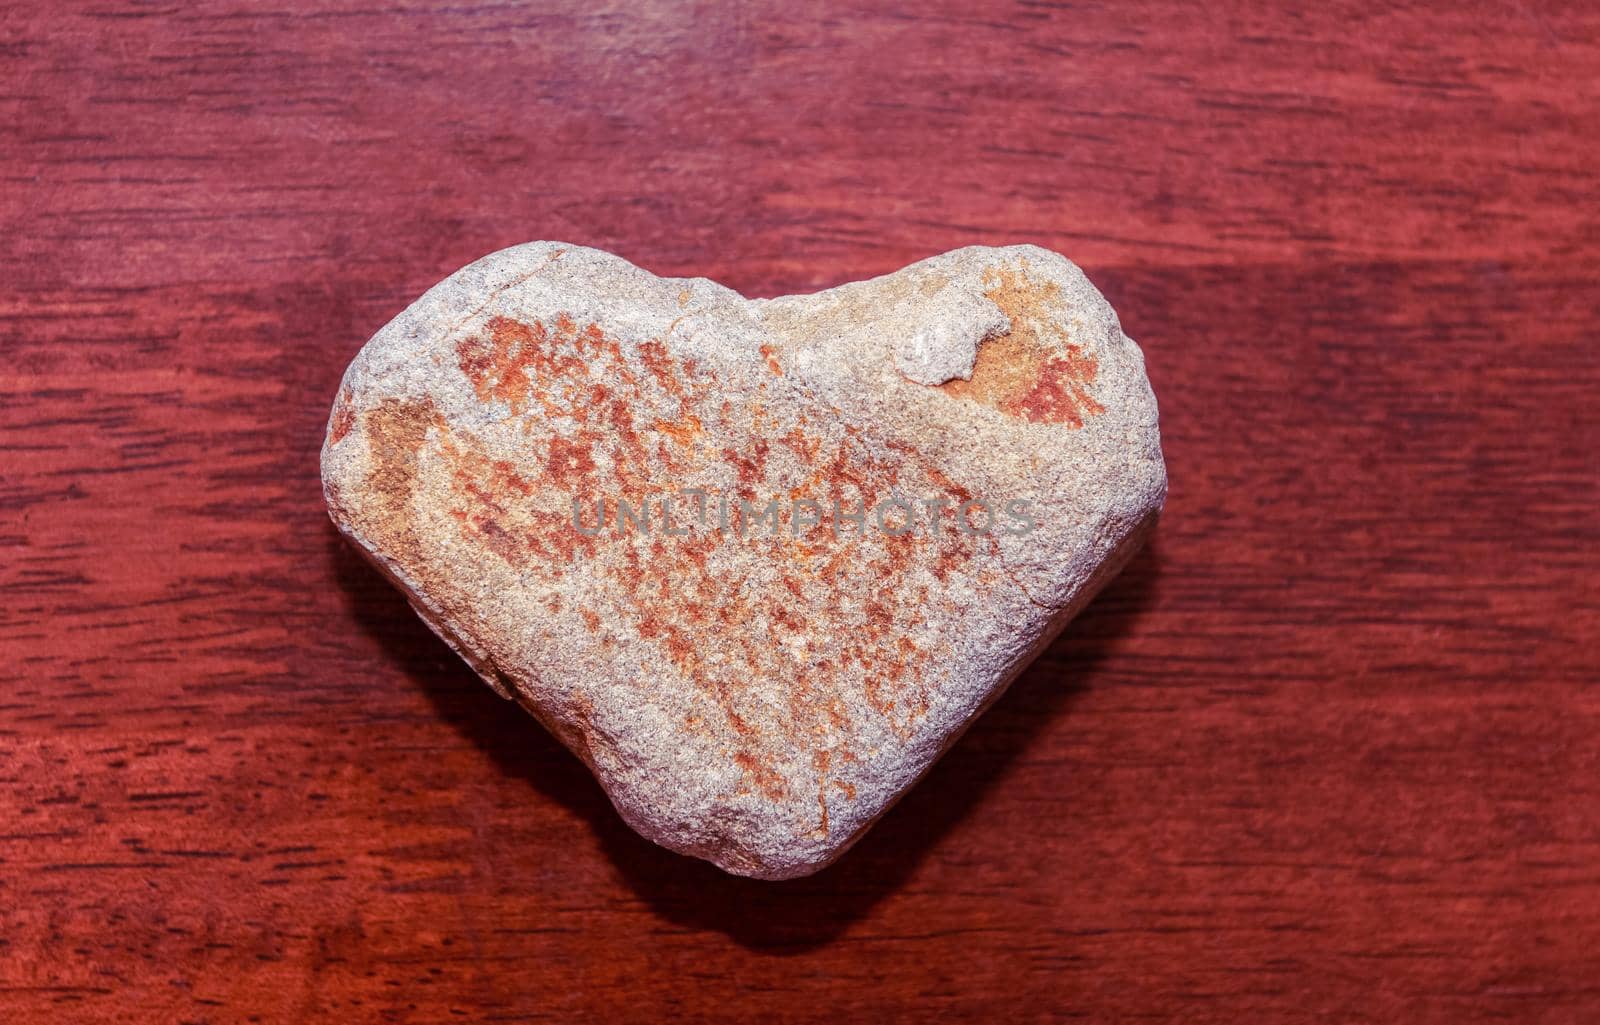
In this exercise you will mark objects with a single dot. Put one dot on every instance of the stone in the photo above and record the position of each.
(757, 562)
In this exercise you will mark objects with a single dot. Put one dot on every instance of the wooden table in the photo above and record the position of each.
(1331, 747)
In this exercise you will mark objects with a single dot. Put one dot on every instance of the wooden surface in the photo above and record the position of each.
(1331, 747)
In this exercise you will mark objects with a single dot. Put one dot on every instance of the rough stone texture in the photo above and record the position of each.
(751, 697)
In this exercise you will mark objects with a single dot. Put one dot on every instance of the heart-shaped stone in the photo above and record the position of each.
(757, 562)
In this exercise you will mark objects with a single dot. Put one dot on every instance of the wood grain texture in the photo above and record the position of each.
(1330, 748)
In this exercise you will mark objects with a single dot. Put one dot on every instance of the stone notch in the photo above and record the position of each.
(757, 562)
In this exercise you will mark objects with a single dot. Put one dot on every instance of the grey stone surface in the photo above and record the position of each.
(751, 684)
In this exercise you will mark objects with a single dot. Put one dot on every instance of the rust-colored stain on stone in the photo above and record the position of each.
(344, 418)
(510, 362)
(1025, 373)
(839, 617)
(570, 464)
(769, 353)
(395, 431)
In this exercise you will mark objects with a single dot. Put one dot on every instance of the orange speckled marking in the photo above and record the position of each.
(685, 432)
(766, 780)
(770, 354)
(831, 618)
(344, 418)
(820, 761)
(1025, 372)
(661, 365)
(570, 463)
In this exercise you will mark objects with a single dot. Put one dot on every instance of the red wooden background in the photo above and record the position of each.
(1330, 747)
